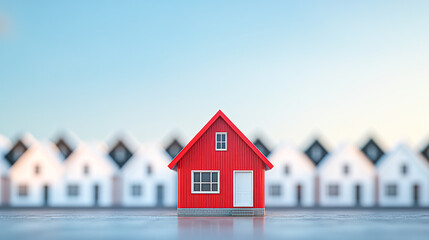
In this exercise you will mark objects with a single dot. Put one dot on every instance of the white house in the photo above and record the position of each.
(4, 168)
(146, 180)
(346, 178)
(88, 176)
(291, 182)
(35, 177)
(403, 178)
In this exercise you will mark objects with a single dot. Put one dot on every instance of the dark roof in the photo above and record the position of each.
(372, 150)
(262, 147)
(425, 152)
(65, 149)
(316, 152)
(16, 152)
(174, 148)
(120, 153)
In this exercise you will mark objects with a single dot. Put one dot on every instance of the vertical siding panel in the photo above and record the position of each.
(203, 156)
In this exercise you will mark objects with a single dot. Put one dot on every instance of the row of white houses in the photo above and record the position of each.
(348, 176)
(68, 172)
(72, 173)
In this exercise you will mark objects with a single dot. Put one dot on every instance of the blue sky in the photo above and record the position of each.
(287, 69)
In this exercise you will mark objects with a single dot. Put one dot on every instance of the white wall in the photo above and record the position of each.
(389, 170)
(361, 172)
(301, 172)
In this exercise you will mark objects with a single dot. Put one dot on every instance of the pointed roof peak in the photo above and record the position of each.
(268, 164)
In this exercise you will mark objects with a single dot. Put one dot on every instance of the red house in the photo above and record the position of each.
(220, 172)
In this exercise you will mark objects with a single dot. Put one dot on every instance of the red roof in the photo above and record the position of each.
(220, 114)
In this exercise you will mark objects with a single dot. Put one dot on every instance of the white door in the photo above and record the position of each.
(243, 189)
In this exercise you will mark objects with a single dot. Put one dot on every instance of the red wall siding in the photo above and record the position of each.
(203, 156)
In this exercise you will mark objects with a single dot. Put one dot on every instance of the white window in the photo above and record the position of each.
(391, 190)
(73, 190)
(22, 190)
(136, 190)
(333, 190)
(221, 141)
(275, 190)
(205, 181)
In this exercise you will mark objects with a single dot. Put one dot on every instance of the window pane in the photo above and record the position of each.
(223, 145)
(223, 137)
(214, 187)
(218, 146)
(218, 137)
(196, 177)
(205, 187)
(205, 177)
(214, 176)
(196, 187)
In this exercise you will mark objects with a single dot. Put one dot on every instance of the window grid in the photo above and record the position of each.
(221, 142)
(22, 190)
(136, 190)
(333, 190)
(205, 181)
(391, 190)
(275, 190)
(73, 190)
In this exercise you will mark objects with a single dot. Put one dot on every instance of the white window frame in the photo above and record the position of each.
(25, 191)
(226, 141)
(270, 190)
(205, 192)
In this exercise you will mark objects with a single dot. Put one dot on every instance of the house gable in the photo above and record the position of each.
(120, 153)
(220, 116)
(64, 148)
(16, 152)
(372, 150)
(174, 148)
(316, 152)
(262, 147)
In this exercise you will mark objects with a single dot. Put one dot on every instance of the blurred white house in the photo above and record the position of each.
(347, 178)
(291, 182)
(88, 176)
(146, 182)
(403, 178)
(36, 173)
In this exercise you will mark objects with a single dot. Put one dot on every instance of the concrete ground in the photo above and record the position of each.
(121, 224)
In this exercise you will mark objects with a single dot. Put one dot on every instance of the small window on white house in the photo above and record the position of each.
(275, 190)
(287, 170)
(149, 169)
(346, 169)
(333, 190)
(136, 190)
(221, 141)
(86, 170)
(73, 190)
(23, 190)
(391, 190)
(37, 169)
(205, 181)
(404, 169)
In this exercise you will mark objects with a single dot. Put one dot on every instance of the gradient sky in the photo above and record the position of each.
(287, 69)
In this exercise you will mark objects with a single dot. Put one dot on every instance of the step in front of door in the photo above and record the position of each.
(243, 212)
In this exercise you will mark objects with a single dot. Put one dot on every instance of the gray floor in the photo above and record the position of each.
(164, 224)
